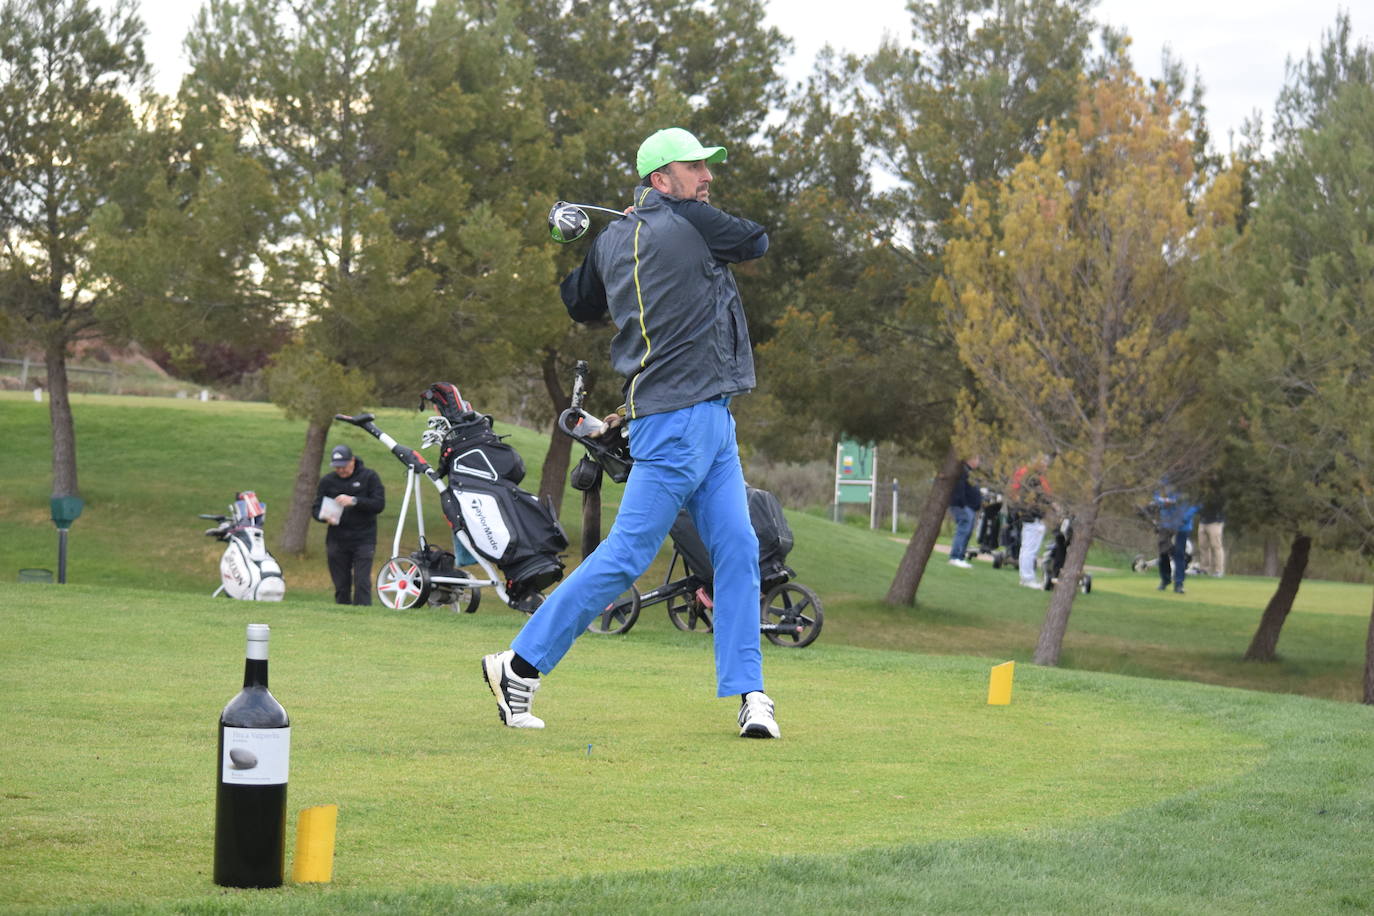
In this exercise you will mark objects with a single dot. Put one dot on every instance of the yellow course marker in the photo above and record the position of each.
(999, 685)
(314, 861)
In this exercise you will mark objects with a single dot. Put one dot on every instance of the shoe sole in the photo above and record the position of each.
(500, 707)
(754, 730)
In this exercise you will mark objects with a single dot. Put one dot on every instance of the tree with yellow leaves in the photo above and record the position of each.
(1068, 290)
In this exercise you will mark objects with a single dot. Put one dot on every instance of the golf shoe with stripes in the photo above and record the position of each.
(513, 693)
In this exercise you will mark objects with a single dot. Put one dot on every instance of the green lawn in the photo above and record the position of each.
(895, 788)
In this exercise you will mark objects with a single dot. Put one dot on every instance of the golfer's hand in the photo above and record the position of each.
(347, 500)
(609, 423)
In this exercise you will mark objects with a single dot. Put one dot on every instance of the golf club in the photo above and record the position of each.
(569, 222)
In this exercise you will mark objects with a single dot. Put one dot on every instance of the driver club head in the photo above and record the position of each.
(567, 222)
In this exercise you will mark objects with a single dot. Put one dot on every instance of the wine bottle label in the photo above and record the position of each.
(255, 756)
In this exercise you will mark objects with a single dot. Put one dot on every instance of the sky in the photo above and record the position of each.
(1237, 46)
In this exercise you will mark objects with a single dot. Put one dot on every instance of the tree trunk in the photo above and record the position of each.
(1369, 663)
(1266, 640)
(913, 565)
(554, 477)
(297, 524)
(1271, 555)
(591, 517)
(1056, 624)
(64, 481)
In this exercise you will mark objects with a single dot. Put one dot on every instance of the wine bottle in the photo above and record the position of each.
(250, 793)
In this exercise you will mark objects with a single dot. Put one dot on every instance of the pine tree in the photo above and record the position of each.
(1069, 301)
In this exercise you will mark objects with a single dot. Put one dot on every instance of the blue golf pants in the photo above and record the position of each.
(689, 458)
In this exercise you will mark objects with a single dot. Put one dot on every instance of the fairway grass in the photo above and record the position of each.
(1107, 786)
(895, 785)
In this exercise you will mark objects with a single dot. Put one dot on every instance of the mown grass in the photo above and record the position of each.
(148, 466)
(895, 787)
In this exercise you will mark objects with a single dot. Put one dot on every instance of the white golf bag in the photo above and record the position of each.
(247, 570)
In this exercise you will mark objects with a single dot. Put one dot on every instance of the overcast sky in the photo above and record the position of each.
(1238, 46)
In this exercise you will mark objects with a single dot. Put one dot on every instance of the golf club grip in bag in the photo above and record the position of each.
(506, 525)
(770, 526)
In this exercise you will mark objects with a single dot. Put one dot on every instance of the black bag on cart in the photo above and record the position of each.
(506, 525)
(770, 526)
(775, 537)
(511, 528)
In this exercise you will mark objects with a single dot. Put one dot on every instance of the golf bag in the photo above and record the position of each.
(989, 524)
(1009, 553)
(247, 570)
(770, 526)
(490, 516)
(1058, 553)
(505, 524)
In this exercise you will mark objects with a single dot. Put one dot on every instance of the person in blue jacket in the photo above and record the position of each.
(1175, 521)
(682, 344)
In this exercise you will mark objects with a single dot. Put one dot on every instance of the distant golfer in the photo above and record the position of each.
(356, 495)
(683, 347)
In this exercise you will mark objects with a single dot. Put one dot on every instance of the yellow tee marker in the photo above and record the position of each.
(999, 684)
(314, 860)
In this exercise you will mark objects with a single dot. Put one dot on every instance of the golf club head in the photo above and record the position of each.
(567, 222)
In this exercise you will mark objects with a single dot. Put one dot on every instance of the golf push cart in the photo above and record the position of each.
(495, 523)
(790, 613)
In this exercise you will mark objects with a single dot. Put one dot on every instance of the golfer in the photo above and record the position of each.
(683, 346)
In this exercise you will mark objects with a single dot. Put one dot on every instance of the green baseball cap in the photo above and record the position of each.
(673, 144)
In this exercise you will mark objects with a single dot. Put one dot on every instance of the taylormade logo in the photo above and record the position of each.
(485, 525)
(483, 516)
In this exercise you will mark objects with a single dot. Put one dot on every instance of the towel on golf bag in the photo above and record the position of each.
(770, 526)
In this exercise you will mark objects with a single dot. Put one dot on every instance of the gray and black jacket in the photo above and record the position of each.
(662, 273)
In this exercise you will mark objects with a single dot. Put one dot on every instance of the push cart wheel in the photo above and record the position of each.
(1086, 585)
(1139, 564)
(464, 599)
(792, 616)
(402, 583)
(619, 615)
(689, 613)
(998, 558)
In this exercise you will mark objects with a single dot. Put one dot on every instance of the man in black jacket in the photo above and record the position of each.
(964, 505)
(357, 493)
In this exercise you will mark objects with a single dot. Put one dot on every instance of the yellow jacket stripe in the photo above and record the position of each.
(639, 296)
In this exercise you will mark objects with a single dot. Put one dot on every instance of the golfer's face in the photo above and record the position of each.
(346, 471)
(689, 180)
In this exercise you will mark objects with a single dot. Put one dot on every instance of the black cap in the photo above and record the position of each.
(341, 456)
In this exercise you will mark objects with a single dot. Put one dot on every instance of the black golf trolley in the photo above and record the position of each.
(790, 613)
(1058, 552)
(494, 522)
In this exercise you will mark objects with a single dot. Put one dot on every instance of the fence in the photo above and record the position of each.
(26, 364)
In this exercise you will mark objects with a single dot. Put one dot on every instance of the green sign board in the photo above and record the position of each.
(854, 468)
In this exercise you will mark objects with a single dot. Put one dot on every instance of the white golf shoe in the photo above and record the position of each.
(756, 716)
(513, 693)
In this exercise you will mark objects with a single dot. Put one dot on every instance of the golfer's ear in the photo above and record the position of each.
(659, 181)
